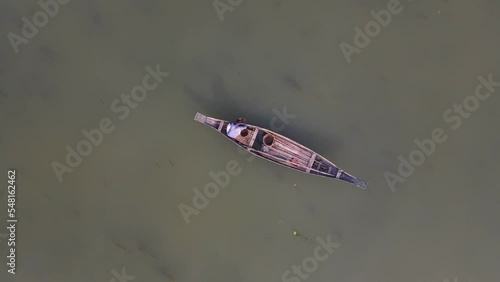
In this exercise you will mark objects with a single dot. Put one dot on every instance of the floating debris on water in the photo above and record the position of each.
(291, 82)
(121, 247)
(297, 234)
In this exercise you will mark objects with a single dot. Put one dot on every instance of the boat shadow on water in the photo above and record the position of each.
(220, 103)
(204, 85)
(217, 101)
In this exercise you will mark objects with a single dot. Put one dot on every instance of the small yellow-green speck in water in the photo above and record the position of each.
(295, 233)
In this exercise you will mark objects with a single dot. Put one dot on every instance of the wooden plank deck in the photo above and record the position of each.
(291, 152)
(255, 133)
(311, 162)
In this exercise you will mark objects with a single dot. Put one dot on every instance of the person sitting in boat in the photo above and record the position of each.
(234, 128)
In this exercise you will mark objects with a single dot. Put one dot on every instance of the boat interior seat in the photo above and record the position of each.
(224, 128)
(259, 140)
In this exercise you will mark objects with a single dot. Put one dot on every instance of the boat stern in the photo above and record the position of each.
(349, 178)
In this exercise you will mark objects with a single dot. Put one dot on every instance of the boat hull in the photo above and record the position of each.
(281, 150)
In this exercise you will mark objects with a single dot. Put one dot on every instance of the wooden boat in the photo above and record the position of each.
(279, 149)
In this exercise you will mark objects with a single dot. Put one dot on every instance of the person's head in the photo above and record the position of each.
(240, 120)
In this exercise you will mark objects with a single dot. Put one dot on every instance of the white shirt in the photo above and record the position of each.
(234, 130)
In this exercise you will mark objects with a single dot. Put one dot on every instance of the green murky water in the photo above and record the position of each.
(116, 212)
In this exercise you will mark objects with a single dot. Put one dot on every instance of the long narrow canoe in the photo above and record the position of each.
(279, 149)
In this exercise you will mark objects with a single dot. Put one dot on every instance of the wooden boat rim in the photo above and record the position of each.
(269, 157)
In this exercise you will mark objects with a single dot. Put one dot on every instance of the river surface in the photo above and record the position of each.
(113, 212)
